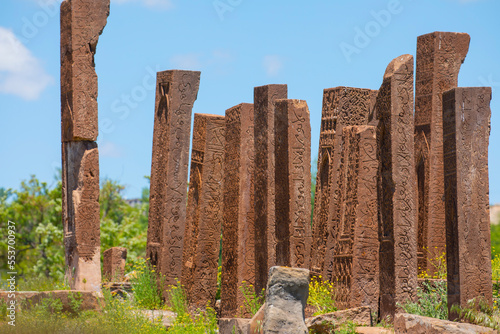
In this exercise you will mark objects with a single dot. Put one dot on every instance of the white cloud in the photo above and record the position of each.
(156, 4)
(189, 61)
(20, 72)
(272, 64)
(109, 149)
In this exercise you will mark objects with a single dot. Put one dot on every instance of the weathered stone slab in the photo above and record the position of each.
(293, 174)
(439, 57)
(286, 297)
(82, 21)
(466, 122)
(90, 300)
(264, 131)
(238, 233)
(193, 203)
(234, 326)
(206, 256)
(257, 321)
(354, 257)
(325, 322)
(114, 260)
(176, 92)
(416, 324)
(397, 191)
(81, 222)
(342, 106)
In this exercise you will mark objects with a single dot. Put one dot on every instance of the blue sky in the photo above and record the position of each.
(237, 44)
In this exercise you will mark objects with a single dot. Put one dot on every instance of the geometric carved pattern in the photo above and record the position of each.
(466, 121)
(397, 187)
(175, 95)
(238, 210)
(439, 57)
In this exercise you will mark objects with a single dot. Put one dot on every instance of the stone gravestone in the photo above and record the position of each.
(439, 57)
(238, 265)
(342, 106)
(397, 187)
(355, 257)
(114, 260)
(176, 92)
(265, 237)
(82, 21)
(193, 203)
(466, 130)
(206, 255)
(293, 175)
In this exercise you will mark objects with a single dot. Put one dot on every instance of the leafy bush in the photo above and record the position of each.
(252, 302)
(438, 266)
(478, 312)
(321, 296)
(147, 286)
(432, 301)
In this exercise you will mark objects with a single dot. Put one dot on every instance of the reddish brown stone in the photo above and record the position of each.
(342, 106)
(354, 255)
(439, 57)
(175, 95)
(82, 21)
(206, 255)
(80, 203)
(397, 191)
(193, 202)
(114, 260)
(293, 175)
(238, 233)
(466, 130)
(265, 231)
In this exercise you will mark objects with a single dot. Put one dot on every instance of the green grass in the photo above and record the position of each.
(252, 302)
(432, 301)
(147, 284)
(41, 283)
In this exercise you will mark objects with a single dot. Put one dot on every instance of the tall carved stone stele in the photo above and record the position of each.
(265, 231)
(193, 202)
(238, 233)
(293, 175)
(82, 21)
(342, 106)
(439, 57)
(397, 187)
(466, 130)
(176, 92)
(355, 255)
(205, 254)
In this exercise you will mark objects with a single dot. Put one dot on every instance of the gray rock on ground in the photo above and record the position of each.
(405, 323)
(286, 297)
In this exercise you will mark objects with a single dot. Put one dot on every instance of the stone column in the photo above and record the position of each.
(466, 131)
(293, 175)
(114, 260)
(355, 267)
(206, 254)
(193, 203)
(265, 231)
(238, 265)
(439, 57)
(397, 191)
(342, 106)
(176, 92)
(82, 21)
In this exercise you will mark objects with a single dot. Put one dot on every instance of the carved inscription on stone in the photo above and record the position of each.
(342, 106)
(193, 203)
(238, 252)
(206, 255)
(397, 187)
(265, 231)
(175, 95)
(466, 121)
(439, 57)
(293, 175)
(80, 178)
(82, 21)
(355, 256)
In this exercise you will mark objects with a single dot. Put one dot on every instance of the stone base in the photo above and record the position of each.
(415, 324)
(234, 326)
(91, 300)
